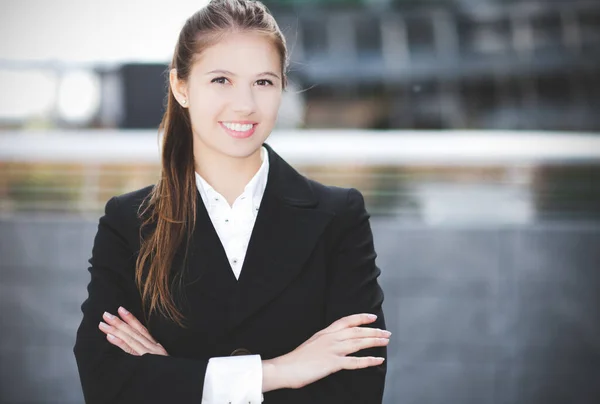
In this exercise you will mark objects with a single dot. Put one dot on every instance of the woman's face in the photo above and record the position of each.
(233, 95)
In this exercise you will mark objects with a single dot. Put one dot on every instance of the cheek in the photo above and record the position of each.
(270, 104)
(204, 111)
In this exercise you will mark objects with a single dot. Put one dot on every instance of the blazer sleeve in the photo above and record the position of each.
(353, 289)
(107, 374)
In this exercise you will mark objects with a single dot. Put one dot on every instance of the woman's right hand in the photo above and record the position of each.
(325, 353)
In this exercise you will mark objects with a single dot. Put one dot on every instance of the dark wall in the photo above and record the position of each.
(500, 315)
(144, 92)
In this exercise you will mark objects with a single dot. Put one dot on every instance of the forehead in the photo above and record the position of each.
(242, 53)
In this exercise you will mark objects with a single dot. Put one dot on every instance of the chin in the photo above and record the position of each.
(242, 151)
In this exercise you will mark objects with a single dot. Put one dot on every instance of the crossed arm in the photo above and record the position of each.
(133, 367)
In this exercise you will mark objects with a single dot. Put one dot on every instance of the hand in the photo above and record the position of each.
(325, 353)
(131, 336)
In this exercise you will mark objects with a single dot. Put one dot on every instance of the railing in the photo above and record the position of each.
(437, 177)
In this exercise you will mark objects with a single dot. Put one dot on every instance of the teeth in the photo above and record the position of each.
(238, 127)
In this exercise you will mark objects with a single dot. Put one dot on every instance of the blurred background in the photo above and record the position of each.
(471, 127)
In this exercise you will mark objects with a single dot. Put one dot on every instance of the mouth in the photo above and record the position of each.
(239, 130)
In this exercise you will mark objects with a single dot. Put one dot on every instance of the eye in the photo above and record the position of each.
(264, 82)
(219, 80)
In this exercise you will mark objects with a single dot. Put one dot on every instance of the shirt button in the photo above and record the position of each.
(226, 220)
(234, 261)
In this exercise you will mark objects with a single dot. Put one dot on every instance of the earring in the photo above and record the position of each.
(184, 102)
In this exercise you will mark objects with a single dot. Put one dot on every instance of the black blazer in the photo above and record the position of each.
(310, 261)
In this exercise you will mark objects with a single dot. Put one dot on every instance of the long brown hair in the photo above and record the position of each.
(170, 208)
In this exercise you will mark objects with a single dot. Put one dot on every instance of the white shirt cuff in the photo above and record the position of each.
(233, 379)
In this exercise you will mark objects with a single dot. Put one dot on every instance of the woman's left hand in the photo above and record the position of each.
(130, 335)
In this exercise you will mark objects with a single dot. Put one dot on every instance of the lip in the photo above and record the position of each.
(241, 122)
(240, 135)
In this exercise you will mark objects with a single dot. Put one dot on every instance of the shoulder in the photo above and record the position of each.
(123, 210)
(350, 220)
(130, 202)
(340, 201)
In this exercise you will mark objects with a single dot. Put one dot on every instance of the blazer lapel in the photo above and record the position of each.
(208, 277)
(287, 227)
(285, 232)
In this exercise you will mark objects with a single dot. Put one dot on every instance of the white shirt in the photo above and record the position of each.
(234, 379)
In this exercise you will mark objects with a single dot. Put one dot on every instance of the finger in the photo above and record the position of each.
(119, 324)
(353, 345)
(115, 340)
(121, 344)
(126, 337)
(361, 332)
(353, 320)
(135, 324)
(355, 362)
(134, 338)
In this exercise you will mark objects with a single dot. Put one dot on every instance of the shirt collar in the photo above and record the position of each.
(255, 187)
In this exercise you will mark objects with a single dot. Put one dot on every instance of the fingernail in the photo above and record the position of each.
(383, 359)
(122, 310)
(386, 332)
(111, 336)
(372, 316)
(103, 325)
(108, 315)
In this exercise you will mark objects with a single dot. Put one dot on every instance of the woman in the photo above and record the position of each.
(234, 279)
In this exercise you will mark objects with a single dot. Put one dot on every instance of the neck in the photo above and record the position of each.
(227, 175)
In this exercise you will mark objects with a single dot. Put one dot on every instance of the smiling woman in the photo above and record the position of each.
(233, 275)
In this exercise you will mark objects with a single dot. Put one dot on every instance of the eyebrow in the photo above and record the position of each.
(227, 72)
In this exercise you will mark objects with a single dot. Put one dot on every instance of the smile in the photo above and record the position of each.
(239, 130)
(238, 127)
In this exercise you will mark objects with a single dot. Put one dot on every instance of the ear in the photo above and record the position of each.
(179, 89)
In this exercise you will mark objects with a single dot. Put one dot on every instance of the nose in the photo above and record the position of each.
(243, 101)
